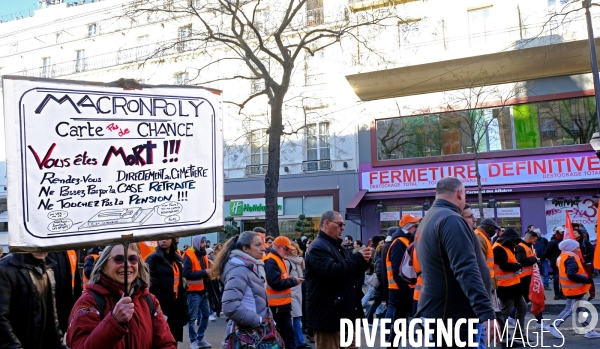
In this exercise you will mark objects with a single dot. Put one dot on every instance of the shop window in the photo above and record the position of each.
(527, 131)
(385, 225)
(317, 204)
(292, 206)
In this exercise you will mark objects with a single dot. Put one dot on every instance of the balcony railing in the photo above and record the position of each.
(131, 55)
(260, 169)
(316, 165)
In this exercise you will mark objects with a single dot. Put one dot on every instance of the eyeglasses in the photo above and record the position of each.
(340, 224)
(120, 259)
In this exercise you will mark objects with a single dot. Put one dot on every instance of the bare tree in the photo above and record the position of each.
(268, 37)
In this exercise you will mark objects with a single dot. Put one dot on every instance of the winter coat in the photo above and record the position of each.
(456, 279)
(379, 269)
(383, 281)
(587, 250)
(66, 294)
(275, 281)
(295, 266)
(552, 251)
(572, 269)
(244, 296)
(404, 293)
(20, 305)
(161, 286)
(333, 291)
(501, 259)
(540, 247)
(88, 330)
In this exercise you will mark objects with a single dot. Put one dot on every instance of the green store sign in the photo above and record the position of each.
(251, 207)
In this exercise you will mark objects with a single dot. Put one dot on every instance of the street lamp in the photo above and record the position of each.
(595, 141)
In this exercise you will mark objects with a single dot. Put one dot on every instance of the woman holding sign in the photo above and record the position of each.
(106, 318)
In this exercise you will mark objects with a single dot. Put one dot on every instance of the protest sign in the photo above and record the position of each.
(91, 164)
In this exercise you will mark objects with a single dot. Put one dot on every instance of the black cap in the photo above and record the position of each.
(510, 234)
(391, 231)
(489, 222)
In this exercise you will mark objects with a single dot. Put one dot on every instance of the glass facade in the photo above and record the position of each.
(522, 126)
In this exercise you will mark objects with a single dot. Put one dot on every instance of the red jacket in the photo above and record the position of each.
(87, 331)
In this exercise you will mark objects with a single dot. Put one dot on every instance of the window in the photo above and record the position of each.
(46, 67)
(314, 12)
(92, 29)
(80, 63)
(259, 149)
(408, 36)
(479, 26)
(317, 141)
(523, 126)
(182, 79)
(184, 34)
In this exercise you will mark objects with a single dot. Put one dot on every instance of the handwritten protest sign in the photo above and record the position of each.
(88, 163)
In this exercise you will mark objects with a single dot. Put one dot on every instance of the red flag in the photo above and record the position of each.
(568, 226)
(536, 292)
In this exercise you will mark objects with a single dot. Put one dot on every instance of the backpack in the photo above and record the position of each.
(101, 303)
(407, 271)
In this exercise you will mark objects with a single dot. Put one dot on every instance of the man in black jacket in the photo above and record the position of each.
(587, 251)
(507, 272)
(456, 278)
(68, 286)
(552, 253)
(27, 312)
(279, 289)
(540, 247)
(333, 290)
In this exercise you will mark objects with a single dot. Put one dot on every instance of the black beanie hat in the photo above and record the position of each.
(510, 234)
(376, 239)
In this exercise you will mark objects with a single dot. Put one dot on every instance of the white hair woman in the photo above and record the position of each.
(105, 318)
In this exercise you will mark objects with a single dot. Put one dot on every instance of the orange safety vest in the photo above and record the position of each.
(195, 285)
(570, 288)
(73, 260)
(526, 271)
(278, 298)
(176, 278)
(84, 279)
(489, 259)
(419, 284)
(388, 263)
(506, 278)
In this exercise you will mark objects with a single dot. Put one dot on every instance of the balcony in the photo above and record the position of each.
(316, 165)
(252, 170)
(362, 5)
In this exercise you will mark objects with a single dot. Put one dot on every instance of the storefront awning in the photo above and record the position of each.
(489, 190)
(354, 204)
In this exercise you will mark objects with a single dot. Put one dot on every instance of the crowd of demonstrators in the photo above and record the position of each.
(28, 316)
(168, 285)
(106, 317)
(332, 276)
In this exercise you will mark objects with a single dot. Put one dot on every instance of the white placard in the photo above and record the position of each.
(88, 163)
(389, 216)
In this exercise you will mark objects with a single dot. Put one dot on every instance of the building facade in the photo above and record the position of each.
(492, 101)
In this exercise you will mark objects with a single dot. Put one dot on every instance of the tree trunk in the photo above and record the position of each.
(479, 194)
(272, 176)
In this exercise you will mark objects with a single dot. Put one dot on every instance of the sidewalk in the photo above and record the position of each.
(556, 306)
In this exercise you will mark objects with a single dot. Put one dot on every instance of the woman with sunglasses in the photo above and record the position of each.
(135, 317)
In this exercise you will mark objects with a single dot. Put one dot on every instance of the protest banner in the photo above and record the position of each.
(91, 163)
